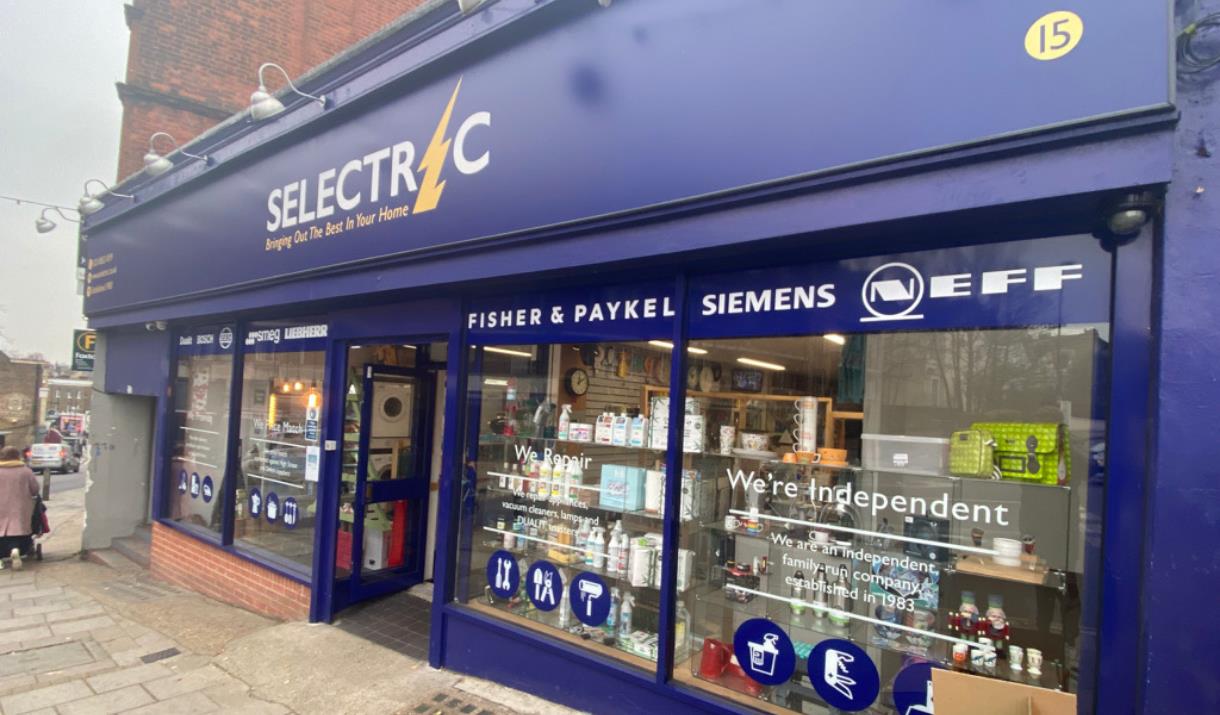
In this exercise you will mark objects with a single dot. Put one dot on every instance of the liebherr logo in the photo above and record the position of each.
(894, 291)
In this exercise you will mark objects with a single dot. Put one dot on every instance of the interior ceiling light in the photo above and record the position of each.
(760, 363)
(92, 203)
(263, 104)
(670, 346)
(43, 224)
(835, 338)
(495, 382)
(155, 163)
(506, 351)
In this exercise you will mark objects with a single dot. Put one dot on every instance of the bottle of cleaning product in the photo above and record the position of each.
(624, 617)
(613, 549)
(637, 432)
(598, 541)
(504, 475)
(616, 601)
(618, 436)
(576, 478)
(565, 419)
(559, 485)
(820, 599)
(624, 551)
(545, 476)
(565, 611)
(590, 546)
(582, 537)
(514, 478)
(681, 628)
(840, 600)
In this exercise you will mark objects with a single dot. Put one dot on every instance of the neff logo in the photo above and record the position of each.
(895, 291)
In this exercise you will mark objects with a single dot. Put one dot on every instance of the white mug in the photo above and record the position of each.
(731, 522)
(1033, 658)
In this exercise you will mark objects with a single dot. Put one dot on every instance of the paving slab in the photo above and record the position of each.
(189, 704)
(52, 696)
(115, 701)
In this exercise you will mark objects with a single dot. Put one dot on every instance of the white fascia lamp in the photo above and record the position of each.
(43, 224)
(468, 6)
(156, 164)
(92, 203)
(263, 104)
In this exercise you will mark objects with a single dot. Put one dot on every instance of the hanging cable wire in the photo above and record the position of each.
(1190, 58)
(18, 200)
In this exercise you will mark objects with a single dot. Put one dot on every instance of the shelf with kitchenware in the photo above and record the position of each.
(740, 404)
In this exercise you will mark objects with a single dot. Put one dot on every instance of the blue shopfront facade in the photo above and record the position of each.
(543, 173)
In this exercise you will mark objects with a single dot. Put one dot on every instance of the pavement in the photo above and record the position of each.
(78, 637)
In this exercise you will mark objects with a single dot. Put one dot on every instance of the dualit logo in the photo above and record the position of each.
(359, 181)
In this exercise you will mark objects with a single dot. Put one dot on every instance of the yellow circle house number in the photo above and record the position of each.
(1054, 35)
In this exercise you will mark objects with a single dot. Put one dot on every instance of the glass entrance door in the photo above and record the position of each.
(384, 494)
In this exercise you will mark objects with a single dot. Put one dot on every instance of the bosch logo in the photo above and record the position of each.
(892, 292)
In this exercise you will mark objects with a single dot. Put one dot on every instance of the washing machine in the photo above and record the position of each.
(392, 404)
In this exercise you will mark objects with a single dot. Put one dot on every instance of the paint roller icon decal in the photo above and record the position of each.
(589, 592)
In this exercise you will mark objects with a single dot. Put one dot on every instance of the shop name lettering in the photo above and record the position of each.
(359, 180)
(633, 309)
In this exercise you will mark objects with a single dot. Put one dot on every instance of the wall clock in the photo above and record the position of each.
(576, 382)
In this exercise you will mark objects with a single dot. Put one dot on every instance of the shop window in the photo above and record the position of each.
(567, 457)
(917, 495)
(280, 442)
(199, 428)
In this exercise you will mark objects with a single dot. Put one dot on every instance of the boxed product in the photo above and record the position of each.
(622, 487)
(692, 433)
(686, 565)
(580, 432)
(904, 453)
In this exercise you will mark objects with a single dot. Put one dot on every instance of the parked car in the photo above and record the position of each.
(56, 457)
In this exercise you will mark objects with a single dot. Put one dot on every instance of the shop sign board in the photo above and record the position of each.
(1046, 281)
(633, 107)
(84, 346)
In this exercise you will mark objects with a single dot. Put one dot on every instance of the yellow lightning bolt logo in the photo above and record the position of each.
(433, 161)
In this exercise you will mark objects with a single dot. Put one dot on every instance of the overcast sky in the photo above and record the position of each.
(59, 125)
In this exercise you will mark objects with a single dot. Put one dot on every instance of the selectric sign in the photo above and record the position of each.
(636, 123)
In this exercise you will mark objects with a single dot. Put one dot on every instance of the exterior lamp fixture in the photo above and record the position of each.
(263, 104)
(468, 6)
(156, 164)
(45, 225)
(92, 203)
(1125, 217)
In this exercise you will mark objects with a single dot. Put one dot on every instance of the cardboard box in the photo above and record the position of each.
(622, 487)
(962, 694)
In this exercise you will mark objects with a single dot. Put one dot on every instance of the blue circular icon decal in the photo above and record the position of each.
(182, 482)
(207, 489)
(272, 507)
(254, 502)
(194, 485)
(764, 651)
(844, 675)
(292, 513)
(590, 599)
(913, 689)
(544, 585)
(503, 575)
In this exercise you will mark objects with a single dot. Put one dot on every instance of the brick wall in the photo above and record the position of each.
(192, 63)
(190, 563)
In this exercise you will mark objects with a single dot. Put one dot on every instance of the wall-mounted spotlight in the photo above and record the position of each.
(156, 164)
(91, 203)
(43, 224)
(263, 104)
(468, 6)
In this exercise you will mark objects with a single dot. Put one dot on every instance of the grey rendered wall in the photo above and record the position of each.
(120, 460)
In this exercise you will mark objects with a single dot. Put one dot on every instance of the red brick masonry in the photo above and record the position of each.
(190, 563)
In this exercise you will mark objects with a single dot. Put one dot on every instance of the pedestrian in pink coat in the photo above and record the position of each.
(18, 487)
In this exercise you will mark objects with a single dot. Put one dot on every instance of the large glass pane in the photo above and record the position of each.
(199, 427)
(567, 460)
(917, 494)
(280, 442)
